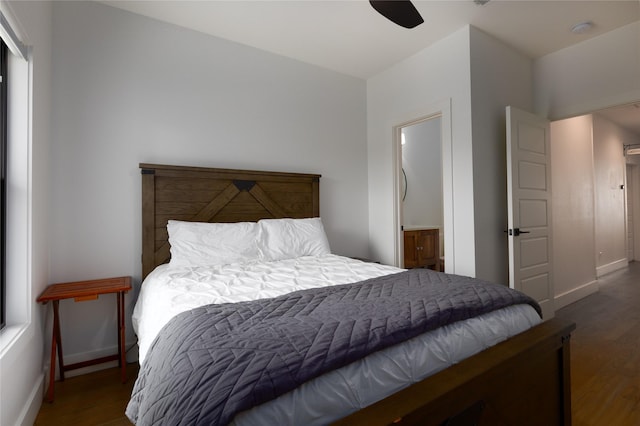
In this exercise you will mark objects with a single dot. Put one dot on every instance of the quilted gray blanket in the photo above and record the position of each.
(210, 363)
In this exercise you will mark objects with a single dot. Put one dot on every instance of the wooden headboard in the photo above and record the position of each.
(199, 194)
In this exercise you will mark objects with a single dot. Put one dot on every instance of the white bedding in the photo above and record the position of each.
(167, 291)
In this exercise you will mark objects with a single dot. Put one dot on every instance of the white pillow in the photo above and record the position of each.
(291, 238)
(208, 244)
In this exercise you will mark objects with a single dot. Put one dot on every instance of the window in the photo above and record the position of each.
(15, 291)
(3, 169)
(3, 172)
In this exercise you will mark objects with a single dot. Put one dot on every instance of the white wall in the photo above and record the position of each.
(588, 203)
(572, 188)
(128, 89)
(406, 92)
(22, 347)
(462, 68)
(500, 76)
(609, 169)
(598, 73)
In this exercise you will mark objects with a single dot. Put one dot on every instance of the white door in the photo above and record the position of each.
(529, 207)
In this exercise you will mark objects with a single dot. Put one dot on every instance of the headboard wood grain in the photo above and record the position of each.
(200, 194)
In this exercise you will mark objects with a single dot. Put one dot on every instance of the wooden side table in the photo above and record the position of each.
(81, 291)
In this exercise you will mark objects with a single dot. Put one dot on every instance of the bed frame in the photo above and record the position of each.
(522, 381)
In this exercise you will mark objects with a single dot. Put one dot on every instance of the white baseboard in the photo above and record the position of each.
(32, 404)
(611, 267)
(575, 294)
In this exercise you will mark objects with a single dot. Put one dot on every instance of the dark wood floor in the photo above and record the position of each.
(90, 400)
(605, 352)
(605, 366)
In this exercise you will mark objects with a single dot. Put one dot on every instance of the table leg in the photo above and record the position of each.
(118, 302)
(58, 336)
(52, 365)
(121, 338)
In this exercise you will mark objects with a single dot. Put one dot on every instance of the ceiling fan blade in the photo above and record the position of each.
(402, 12)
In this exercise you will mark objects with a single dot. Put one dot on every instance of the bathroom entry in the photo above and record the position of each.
(422, 218)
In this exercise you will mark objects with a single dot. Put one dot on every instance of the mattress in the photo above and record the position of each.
(170, 290)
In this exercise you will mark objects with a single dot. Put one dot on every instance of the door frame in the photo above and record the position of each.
(440, 109)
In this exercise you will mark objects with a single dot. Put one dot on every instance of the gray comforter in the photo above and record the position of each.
(212, 362)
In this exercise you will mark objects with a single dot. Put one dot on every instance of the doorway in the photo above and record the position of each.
(421, 145)
(424, 194)
(592, 227)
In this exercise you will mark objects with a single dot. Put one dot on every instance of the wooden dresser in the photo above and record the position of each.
(422, 248)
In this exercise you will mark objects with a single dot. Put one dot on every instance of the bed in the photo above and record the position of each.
(517, 374)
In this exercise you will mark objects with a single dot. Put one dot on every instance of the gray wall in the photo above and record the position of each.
(129, 89)
(462, 68)
(493, 87)
(406, 92)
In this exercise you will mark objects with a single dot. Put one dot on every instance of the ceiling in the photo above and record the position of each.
(350, 37)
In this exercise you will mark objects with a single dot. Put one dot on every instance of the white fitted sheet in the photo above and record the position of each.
(167, 291)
